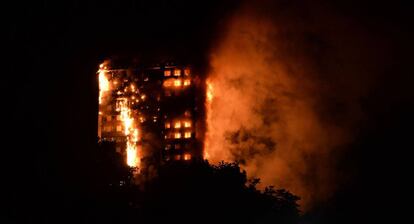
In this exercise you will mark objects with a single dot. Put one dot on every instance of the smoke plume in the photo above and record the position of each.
(286, 93)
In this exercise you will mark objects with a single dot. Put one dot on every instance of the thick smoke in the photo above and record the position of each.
(286, 93)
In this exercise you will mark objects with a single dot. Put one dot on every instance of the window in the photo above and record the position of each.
(168, 83)
(167, 147)
(187, 71)
(187, 134)
(118, 117)
(108, 118)
(172, 82)
(108, 128)
(167, 73)
(177, 146)
(187, 124)
(177, 135)
(119, 128)
(167, 125)
(177, 72)
(187, 156)
(120, 102)
(177, 124)
(177, 157)
(177, 82)
(187, 82)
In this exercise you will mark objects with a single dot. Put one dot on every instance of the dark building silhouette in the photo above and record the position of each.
(155, 110)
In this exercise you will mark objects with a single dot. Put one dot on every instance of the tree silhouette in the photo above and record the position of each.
(181, 192)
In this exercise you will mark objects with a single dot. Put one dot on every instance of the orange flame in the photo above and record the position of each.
(210, 91)
(131, 134)
(209, 100)
(103, 82)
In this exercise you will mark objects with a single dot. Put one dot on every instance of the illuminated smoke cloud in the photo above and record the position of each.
(285, 96)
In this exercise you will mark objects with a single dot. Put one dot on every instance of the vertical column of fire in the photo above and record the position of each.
(103, 88)
(131, 132)
(209, 100)
(103, 82)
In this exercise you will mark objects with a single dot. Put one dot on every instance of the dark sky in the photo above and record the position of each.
(55, 48)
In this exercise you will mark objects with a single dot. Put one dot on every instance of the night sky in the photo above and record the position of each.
(52, 56)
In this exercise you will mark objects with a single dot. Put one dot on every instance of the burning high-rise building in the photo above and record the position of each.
(151, 113)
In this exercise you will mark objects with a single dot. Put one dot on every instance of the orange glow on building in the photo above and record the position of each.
(168, 82)
(187, 134)
(187, 71)
(177, 82)
(135, 108)
(177, 72)
(187, 156)
(167, 73)
(187, 82)
(187, 124)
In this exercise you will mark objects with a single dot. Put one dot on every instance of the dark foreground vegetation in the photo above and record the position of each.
(194, 192)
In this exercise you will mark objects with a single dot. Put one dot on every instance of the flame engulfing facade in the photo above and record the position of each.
(151, 113)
